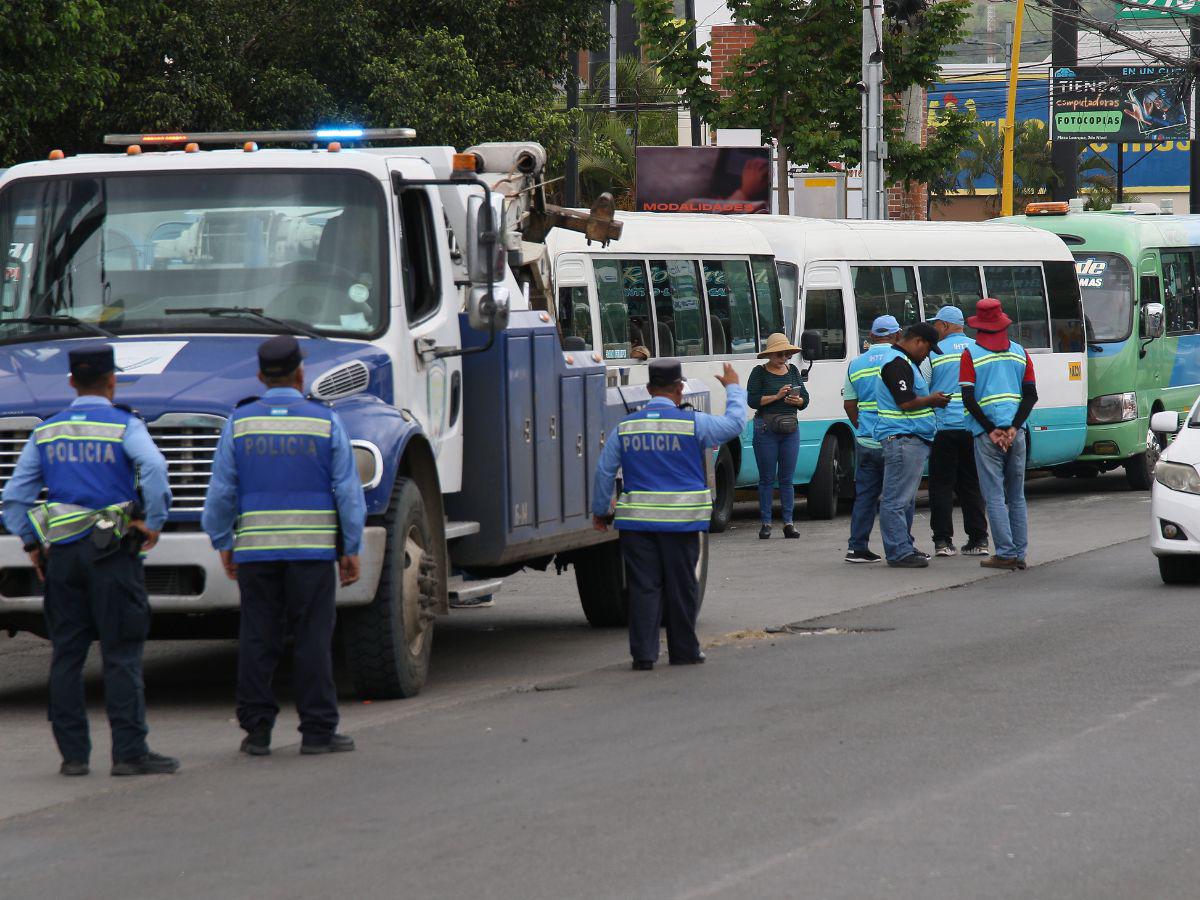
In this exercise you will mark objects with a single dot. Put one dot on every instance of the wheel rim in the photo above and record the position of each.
(1154, 449)
(415, 628)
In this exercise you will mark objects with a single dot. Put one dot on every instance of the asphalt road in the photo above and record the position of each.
(1028, 735)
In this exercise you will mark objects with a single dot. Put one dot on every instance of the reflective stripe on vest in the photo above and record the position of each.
(57, 522)
(291, 529)
(665, 506)
(1000, 398)
(80, 431)
(657, 426)
(282, 425)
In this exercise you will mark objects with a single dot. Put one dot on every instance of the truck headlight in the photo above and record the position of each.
(369, 463)
(1109, 409)
(1177, 476)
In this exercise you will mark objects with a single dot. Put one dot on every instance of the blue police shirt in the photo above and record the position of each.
(711, 431)
(21, 492)
(221, 504)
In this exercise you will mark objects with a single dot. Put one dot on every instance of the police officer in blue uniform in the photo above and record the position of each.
(285, 502)
(664, 504)
(94, 459)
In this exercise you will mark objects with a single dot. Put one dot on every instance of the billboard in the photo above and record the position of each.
(723, 180)
(1119, 103)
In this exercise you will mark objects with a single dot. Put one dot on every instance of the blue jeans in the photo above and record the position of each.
(868, 485)
(776, 457)
(904, 460)
(1002, 483)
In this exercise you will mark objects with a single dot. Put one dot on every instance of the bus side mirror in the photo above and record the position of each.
(487, 301)
(1165, 422)
(1153, 324)
(811, 347)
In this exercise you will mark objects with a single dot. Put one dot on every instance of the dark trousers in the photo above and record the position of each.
(277, 595)
(661, 569)
(952, 471)
(92, 597)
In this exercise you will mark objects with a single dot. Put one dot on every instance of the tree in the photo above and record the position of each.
(1033, 172)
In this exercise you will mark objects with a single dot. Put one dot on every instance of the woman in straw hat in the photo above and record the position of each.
(776, 392)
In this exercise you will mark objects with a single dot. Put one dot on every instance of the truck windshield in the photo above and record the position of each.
(1107, 288)
(119, 251)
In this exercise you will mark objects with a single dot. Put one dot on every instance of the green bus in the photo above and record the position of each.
(1139, 274)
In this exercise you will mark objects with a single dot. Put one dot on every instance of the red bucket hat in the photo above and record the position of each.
(989, 316)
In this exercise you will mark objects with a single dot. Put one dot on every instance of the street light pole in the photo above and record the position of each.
(874, 148)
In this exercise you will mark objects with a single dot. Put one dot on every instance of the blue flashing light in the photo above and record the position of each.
(334, 133)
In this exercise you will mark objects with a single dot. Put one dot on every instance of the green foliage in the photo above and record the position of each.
(1033, 172)
(937, 163)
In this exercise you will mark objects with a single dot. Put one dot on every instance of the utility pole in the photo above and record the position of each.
(1064, 51)
(1010, 117)
(1194, 152)
(571, 187)
(612, 56)
(874, 148)
(689, 13)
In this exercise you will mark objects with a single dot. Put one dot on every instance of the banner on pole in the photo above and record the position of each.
(1119, 103)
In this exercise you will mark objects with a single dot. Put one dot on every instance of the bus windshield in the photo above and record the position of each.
(1107, 287)
(121, 252)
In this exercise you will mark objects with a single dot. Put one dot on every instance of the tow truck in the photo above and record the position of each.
(399, 268)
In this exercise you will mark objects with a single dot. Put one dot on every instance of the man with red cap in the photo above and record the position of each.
(998, 393)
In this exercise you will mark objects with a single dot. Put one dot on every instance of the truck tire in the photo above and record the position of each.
(387, 643)
(726, 485)
(1179, 569)
(1139, 470)
(825, 489)
(603, 590)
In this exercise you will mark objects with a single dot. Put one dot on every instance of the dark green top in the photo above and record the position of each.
(763, 383)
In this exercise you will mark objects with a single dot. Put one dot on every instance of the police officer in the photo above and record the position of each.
(664, 504)
(858, 399)
(84, 541)
(284, 503)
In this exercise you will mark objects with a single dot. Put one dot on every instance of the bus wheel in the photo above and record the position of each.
(834, 465)
(726, 485)
(1139, 470)
(1179, 569)
(387, 643)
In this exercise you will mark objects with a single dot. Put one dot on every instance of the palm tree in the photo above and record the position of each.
(1033, 172)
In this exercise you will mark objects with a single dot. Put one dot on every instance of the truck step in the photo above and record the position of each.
(460, 590)
(460, 529)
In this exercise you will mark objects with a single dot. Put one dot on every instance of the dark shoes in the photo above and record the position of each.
(1002, 562)
(862, 556)
(336, 743)
(257, 742)
(944, 548)
(790, 532)
(694, 661)
(73, 768)
(974, 549)
(764, 533)
(643, 665)
(150, 764)
(913, 561)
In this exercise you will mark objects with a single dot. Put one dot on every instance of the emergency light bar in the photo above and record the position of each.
(316, 135)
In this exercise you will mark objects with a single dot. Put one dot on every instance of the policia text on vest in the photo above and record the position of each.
(663, 506)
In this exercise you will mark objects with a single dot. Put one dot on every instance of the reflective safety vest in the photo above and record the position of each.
(89, 478)
(864, 376)
(944, 367)
(283, 449)
(662, 462)
(999, 376)
(892, 419)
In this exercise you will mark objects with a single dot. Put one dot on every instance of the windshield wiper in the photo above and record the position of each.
(248, 312)
(62, 321)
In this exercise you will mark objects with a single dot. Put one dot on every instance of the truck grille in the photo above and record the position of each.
(188, 441)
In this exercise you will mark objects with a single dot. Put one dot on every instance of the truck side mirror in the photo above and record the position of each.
(1153, 324)
(487, 301)
(811, 347)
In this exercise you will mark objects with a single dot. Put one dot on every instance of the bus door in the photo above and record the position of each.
(825, 307)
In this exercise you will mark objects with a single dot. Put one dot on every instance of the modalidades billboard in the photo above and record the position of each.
(722, 180)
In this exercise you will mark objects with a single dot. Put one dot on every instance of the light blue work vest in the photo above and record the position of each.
(892, 419)
(944, 366)
(999, 376)
(864, 375)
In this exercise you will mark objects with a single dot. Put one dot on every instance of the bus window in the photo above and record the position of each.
(789, 287)
(824, 312)
(574, 316)
(958, 286)
(881, 291)
(1066, 315)
(678, 309)
(1107, 288)
(731, 305)
(1179, 286)
(624, 308)
(1022, 293)
(766, 296)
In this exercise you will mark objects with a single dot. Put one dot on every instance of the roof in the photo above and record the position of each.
(1120, 231)
(668, 233)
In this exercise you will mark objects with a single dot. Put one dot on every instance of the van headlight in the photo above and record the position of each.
(1177, 476)
(369, 463)
(1109, 409)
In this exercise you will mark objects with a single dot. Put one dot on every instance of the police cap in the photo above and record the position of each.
(92, 362)
(280, 355)
(665, 373)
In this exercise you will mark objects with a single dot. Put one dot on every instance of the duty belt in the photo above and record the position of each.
(57, 522)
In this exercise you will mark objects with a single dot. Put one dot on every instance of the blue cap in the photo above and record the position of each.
(92, 362)
(279, 356)
(951, 315)
(885, 325)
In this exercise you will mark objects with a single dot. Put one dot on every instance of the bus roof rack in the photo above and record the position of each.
(308, 136)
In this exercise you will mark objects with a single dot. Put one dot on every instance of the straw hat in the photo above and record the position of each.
(777, 343)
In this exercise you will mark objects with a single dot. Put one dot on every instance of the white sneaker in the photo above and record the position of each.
(944, 550)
